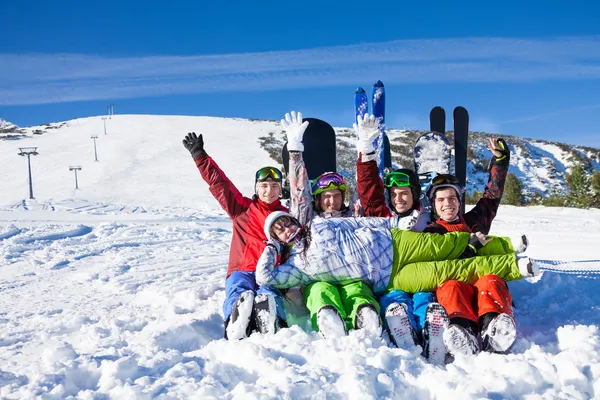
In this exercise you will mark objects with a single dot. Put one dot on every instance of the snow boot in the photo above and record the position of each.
(498, 332)
(367, 318)
(398, 326)
(436, 323)
(330, 323)
(238, 324)
(460, 338)
(265, 314)
(528, 267)
(519, 243)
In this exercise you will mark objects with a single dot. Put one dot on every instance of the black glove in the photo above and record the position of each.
(195, 145)
(505, 157)
(474, 242)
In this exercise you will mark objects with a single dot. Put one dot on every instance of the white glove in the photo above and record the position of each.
(367, 129)
(294, 128)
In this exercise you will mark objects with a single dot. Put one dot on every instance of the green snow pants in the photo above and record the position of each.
(346, 298)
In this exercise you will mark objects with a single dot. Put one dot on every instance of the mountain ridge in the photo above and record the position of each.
(540, 165)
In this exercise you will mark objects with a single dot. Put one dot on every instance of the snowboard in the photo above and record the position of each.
(461, 137)
(319, 151)
(432, 157)
(432, 152)
(437, 120)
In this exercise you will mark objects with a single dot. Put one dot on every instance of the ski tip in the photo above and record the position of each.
(359, 90)
(378, 84)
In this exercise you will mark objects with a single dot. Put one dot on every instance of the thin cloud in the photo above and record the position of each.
(551, 114)
(53, 78)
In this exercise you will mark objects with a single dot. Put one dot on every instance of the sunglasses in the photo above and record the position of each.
(329, 180)
(396, 179)
(445, 179)
(268, 172)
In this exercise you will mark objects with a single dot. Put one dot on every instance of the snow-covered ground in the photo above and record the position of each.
(115, 290)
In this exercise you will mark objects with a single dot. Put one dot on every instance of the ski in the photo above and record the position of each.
(437, 120)
(361, 103)
(461, 137)
(384, 152)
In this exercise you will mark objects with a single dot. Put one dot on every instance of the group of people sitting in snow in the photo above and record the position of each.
(430, 278)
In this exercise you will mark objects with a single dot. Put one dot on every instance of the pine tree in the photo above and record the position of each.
(579, 185)
(595, 181)
(474, 198)
(513, 191)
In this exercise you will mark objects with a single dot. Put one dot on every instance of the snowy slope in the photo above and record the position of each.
(115, 290)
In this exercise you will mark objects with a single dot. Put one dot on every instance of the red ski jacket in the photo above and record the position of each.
(247, 214)
(370, 189)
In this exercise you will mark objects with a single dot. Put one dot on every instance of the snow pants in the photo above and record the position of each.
(488, 294)
(346, 299)
(240, 281)
(416, 304)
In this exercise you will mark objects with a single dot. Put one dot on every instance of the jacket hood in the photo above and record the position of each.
(271, 219)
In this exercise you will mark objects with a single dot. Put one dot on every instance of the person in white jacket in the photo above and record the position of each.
(334, 308)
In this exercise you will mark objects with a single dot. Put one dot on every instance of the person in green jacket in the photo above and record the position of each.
(371, 249)
(334, 307)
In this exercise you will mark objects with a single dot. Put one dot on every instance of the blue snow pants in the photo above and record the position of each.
(240, 281)
(416, 303)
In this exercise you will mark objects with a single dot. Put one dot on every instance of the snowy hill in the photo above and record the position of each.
(541, 166)
(115, 290)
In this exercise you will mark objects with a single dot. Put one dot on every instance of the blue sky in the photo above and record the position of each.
(525, 68)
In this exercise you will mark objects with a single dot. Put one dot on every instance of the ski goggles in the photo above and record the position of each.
(268, 172)
(445, 179)
(328, 181)
(396, 179)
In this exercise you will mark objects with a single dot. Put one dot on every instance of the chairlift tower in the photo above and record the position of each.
(94, 137)
(75, 168)
(29, 151)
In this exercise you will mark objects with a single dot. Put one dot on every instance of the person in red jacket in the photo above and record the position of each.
(410, 318)
(247, 306)
(481, 316)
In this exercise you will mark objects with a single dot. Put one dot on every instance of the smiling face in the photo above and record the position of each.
(401, 198)
(284, 229)
(331, 200)
(446, 203)
(268, 191)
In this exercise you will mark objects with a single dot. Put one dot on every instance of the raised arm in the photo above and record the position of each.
(481, 216)
(301, 199)
(368, 183)
(223, 190)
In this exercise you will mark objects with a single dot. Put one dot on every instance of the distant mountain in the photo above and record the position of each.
(540, 165)
(7, 127)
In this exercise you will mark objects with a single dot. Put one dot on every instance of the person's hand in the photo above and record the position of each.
(482, 238)
(357, 210)
(294, 127)
(194, 144)
(499, 149)
(367, 128)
